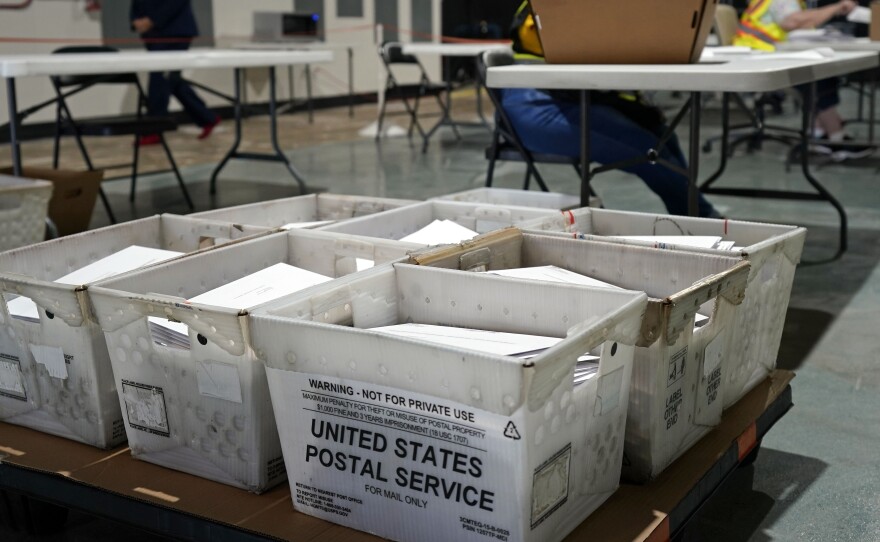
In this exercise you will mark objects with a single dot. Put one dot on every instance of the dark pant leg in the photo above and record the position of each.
(158, 95)
(551, 126)
(174, 84)
(193, 105)
(827, 93)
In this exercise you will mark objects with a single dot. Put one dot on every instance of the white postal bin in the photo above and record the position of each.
(24, 205)
(675, 397)
(80, 402)
(205, 410)
(528, 455)
(773, 251)
(309, 208)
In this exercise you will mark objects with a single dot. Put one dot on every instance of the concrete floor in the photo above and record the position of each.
(818, 473)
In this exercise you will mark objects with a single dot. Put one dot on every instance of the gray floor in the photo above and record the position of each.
(818, 473)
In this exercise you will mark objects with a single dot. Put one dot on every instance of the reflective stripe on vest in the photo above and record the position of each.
(757, 34)
(749, 30)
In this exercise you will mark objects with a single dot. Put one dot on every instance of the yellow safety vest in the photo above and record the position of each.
(754, 33)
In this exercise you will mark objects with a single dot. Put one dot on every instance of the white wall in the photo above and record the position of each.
(52, 19)
(232, 24)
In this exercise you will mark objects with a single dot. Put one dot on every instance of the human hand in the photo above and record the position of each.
(846, 6)
(144, 24)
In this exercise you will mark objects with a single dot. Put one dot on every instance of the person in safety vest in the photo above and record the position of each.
(622, 126)
(768, 22)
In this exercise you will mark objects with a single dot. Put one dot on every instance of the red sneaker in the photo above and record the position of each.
(206, 130)
(148, 140)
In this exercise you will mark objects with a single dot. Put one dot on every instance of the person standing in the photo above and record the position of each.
(169, 25)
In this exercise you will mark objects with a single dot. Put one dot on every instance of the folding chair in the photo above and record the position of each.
(755, 131)
(392, 55)
(136, 125)
(506, 144)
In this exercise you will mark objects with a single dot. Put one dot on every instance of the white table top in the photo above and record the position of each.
(286, 45)
(452, 49)
(852, 44)
(738, 74)
(143, 61)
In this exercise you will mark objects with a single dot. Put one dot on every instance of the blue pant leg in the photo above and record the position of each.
(158, 95)
(552, 126)
(193, 105)
(164, 87)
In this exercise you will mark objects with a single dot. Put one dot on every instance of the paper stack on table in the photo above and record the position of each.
(128, 259)
(255, 289)
(860, 14)
(440, 232)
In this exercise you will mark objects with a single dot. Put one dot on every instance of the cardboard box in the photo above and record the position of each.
(519, 198)
(23, 205)
(675, 398)
(82, 405)
(309, 208)
(411, 440)
(398, 223)
(772, 250)
(214, 418)
(74, 197)
(623, 32)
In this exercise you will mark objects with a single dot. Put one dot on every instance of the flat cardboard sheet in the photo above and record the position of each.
(631, 514)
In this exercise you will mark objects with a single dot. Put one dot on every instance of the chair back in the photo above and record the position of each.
(62, 81)
(493, 59)
(726, 23)
(392, 53)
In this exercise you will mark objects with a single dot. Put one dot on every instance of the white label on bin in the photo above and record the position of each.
(677, 363)
(145, 408)
(219, 380)
(52, 358)
(11, 384)
(359, 454)
(609, 391)
(712, 357)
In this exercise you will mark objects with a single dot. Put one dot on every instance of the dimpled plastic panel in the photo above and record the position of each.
(772, 250)
(23, 207)
(560, 438)
(674, 400)
(224, 431)
(78, 401)
(398, 223)
(310, 208)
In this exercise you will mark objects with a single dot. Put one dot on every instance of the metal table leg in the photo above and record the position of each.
(273, 128)
(446, 114)
(824, 194)
(350, 82)
(725, 144)
(15, 145)
(586, 172)
(309, 104)
(694, 158)
(233, 151)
